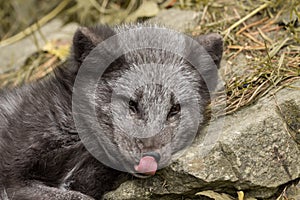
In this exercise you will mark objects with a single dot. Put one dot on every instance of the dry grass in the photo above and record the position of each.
(265, 33)
(36, 67)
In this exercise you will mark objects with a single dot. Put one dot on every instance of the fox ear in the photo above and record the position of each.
(213, 44)
(86, 39)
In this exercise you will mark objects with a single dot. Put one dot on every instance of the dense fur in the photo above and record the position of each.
(41, 154)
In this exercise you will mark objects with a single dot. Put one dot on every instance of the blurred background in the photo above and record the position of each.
(261, 37)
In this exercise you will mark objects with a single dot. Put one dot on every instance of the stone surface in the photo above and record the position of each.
(293, 192)
(255, 153)
(180, 20)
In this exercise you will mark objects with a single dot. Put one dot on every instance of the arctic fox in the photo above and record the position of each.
(42, 153)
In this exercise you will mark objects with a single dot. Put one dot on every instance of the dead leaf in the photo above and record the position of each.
(215, 195)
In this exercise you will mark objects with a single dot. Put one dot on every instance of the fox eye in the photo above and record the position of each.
(133, 106)
(175, 109)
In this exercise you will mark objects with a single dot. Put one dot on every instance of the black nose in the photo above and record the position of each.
(155, 155)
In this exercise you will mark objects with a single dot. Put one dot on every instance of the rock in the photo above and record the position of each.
(180, 20)
(256, 152)
(293, 192)
(13, 56)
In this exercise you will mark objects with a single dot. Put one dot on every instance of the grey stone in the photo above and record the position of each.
(293, 192)
(180, 20)
(255, 153)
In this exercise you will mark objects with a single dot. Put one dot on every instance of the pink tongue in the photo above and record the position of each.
(147, 165)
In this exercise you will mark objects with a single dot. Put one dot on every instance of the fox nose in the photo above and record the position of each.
(155, 155)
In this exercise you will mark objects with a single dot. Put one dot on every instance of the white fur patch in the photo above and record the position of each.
(3, 195)
(65, 184)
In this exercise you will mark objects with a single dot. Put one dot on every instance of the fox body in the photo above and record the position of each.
(42, 156)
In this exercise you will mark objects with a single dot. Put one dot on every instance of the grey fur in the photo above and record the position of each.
(40, 150)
